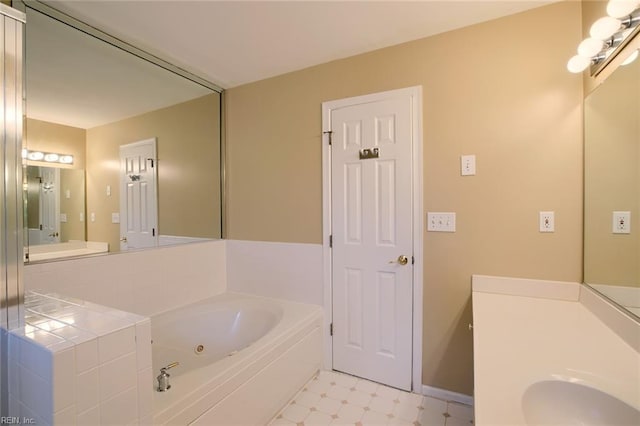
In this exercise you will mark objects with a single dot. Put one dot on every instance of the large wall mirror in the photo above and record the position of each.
(120, 153)
(612, 187)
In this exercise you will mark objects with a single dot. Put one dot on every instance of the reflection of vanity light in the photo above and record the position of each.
(49, 157)
(35, 155)
(631, 58)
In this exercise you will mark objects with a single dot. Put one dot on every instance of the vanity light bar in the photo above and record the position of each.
(47, 157)
(606, 34)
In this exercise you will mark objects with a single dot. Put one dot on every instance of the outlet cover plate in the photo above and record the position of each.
(441, 221)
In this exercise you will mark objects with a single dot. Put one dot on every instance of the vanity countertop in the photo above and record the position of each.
(521, 338)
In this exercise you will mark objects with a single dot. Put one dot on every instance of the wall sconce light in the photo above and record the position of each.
(606, 34)
(47, 157)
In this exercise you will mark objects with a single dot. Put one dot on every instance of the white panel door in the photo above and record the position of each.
(138, 195)
(372, 229)
(49, 205)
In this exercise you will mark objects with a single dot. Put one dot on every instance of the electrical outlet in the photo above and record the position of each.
(621, 222)
(441, 221)
(547, 222)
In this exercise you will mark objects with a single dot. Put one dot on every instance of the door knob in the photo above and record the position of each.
(402, 260)
(123, 239)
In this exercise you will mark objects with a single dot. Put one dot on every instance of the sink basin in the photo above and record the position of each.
(556, 402)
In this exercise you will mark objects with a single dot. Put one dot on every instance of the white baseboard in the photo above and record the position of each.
(447, 395)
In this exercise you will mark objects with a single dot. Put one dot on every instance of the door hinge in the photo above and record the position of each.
(152, 161)
(413, 260)
(330, 241)
(328, 132)
(331, 329)
(153, 232)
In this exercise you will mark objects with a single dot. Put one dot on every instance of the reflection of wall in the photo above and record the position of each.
(52, 137)
(188, 159)
(499, 90)
(33, 198)
(72, 185)
(612, 178)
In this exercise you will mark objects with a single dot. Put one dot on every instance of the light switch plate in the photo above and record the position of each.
(63, 218)
(547, 222)
(621, 222)
(441, 221)
(115, 217)
(468, 165)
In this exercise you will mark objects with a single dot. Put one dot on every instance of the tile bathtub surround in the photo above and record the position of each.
(333, 398)
(146, 282)
(290, 271)
(76, 362)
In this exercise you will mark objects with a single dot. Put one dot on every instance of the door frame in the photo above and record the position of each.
(415, 94)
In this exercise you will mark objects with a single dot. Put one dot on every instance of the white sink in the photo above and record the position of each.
(556, 402)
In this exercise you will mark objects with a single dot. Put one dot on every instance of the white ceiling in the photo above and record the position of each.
(236, 42)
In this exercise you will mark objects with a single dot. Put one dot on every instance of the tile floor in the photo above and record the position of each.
(333, 398)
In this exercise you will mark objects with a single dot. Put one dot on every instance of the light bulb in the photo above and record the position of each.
(66, 159)
(631, 58)
(621, 8)
(578, 63)
(605, 27)
(51, 157)
(590, 47)
(35, 155)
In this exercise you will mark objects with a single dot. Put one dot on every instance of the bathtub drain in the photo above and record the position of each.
(199, 349)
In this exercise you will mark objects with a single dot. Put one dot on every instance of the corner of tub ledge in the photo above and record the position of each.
(526, 287)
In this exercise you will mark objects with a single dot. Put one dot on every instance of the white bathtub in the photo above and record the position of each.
(241, 358)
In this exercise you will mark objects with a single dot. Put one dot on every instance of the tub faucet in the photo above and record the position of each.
(163, 378)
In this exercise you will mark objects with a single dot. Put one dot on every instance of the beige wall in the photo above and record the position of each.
(612, 179)
(72, 183)
(188, 167)
(499, 90)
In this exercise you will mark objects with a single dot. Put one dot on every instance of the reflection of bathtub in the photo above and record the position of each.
(69, 249)
(234, 350)
(169, 240)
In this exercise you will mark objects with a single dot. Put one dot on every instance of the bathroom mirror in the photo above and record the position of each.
(612, 188)
(55, 200)
(96, 104)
